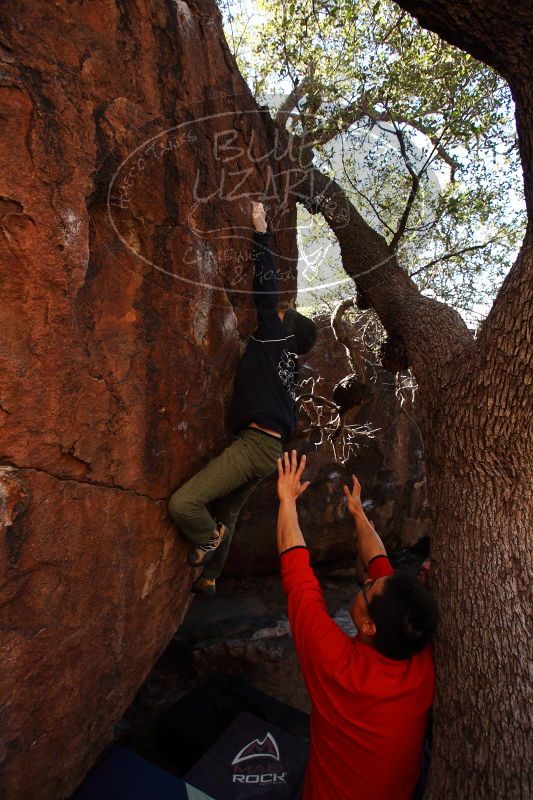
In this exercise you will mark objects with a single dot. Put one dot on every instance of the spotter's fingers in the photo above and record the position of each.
(294, 460)
(303, 487)
(301, 467)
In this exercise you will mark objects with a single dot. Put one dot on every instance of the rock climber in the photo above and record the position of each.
(262, 416)
(370, 694)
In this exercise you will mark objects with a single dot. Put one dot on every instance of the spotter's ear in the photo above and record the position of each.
(368, 628)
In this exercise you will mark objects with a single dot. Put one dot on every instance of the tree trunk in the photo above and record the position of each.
(476, 417)
(475, 409)
(479, 456)
(482, 576)
(478, 460)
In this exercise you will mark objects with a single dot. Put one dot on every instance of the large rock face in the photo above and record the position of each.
(119, 344)
(389, 466)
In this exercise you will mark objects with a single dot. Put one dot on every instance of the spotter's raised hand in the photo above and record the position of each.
(290, 472)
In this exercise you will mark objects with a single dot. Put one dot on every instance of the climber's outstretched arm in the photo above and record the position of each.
(265, 283)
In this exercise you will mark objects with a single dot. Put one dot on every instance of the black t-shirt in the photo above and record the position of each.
(265, 384)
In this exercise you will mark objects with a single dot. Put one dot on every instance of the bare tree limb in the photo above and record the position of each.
(378, 116)
(291, 101)
(365, 197)
(455, 254)
(366, 256)
(415, 184)
(353, 347)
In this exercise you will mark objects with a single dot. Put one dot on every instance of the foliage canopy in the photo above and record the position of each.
(419, 134)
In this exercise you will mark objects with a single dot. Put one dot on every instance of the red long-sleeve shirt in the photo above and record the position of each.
(369, 712)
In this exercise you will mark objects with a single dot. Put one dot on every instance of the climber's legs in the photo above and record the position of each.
(252, 456)
(227, 510)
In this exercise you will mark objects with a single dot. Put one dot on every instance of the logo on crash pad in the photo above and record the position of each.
(258, 748)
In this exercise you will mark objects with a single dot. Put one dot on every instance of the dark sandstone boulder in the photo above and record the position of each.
(119, 345)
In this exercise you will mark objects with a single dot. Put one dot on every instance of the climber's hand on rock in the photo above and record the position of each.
(353, 497)
(289, 474)
(259, 217)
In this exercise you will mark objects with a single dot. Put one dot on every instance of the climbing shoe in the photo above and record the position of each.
(203, 553)
(204, 586)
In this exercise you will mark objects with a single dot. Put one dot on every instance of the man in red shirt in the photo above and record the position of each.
(370, 694)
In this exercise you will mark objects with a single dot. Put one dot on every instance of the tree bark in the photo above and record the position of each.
(476, 418)
(479, 452)
(353, 347)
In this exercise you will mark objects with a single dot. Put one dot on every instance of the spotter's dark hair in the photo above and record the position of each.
(405, 615)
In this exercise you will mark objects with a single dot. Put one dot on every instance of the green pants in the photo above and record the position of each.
(219, 491)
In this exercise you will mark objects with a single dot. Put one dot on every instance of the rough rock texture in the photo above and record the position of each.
(94, 586)
(389, 466)
(114, 372)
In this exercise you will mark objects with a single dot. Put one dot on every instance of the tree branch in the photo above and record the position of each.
(454, 254)
(342, 121)
(498, 33)
(415, 184)
(379, 116)
(494, 31)
(361, 108)
(353, 348)
(365, 197)
(292, 100)
(429, 331)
